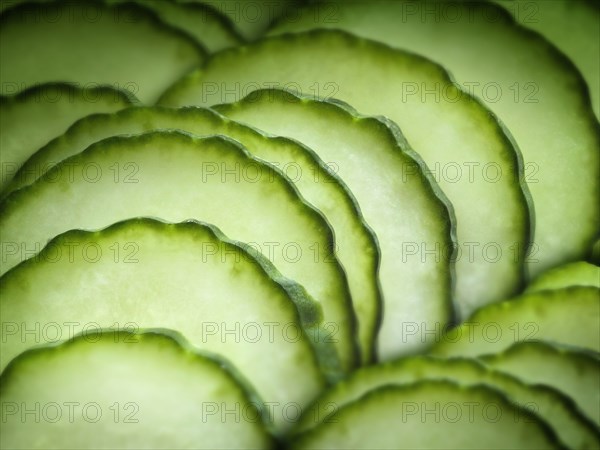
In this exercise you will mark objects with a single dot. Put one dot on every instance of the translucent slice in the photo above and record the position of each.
(175, 177)
(120, 390)
(574, 274)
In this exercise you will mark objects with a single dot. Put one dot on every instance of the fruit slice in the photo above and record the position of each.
(571, 427)
(175, 176)
(574, 373)
(430, 414)
(124, 46)
(113, 389)
(532, 88)
(573, 27)
(569, 316)
(451, 132)
(187, 277)
(33, 117)
(396, 196)
(575, 274)
(356, 245)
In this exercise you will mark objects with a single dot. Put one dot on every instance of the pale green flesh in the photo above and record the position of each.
(183, 277)
(530, 86)
(569, 316)
(574, 274)
(400, 209)
(572, 26)
(175, 177)
(89, 44)
(411, 421)
(550, 405)
(575, 374)
(118, 390)
(356, 246)
(29, 120)
(208, 27)
(447, 134)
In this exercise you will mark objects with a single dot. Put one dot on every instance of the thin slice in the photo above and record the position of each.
(531, 86)
(430, 414)
(575, 274)
(451, 132)
(124, 46)
(175, 176)
(573, 429)
(186, 277)
(35, 116)
(573, 26)
(356, 245)
(576, 374)
(120, 390)
(569, 316)
(397, 197)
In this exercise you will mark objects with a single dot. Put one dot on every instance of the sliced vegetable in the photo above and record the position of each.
(187, 277)
(110, 389)
(397, 197)
(569, 316)
(576, 374)
(33, 117)
(574, 274)
(430, 414)
(356, 245)
(90, 43)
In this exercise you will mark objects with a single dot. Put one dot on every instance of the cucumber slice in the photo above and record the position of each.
(400, 209)
(33, 117)
(356, 246)
(125, 46)
(175, 176)
(569, 316)
(447, 134)
(573, 27)
(186, 277)
(573, 429)
(533, 88)
(575, 274)
(430, 414)
(574, 373)
(111, 389)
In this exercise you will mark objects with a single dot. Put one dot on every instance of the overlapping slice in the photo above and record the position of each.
(533, 89)
(430, 414)
(124, 46)
(457, 138)
(396, 196)
(576, 374)
(112, 389)
(569, 316)
(220, 295)
(356, 246)
(574, 274)
(35, 116)
(558, 411)
(175, 176)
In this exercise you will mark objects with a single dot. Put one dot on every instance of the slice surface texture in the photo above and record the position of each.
(404, 208)
(447, 132)
(356, 246)
(573, 429)
(574, 274)
(121, 390)
(569, 316)
(124, 46)
(175, 177)
(35, 116)
(533, 89)
(185, 277)
(429, 414)
(576, 374)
